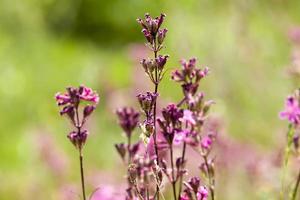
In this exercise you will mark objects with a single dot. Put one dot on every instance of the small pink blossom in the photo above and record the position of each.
(202, 194)
(188, 117)
(184, 196)
(180, 136)
(206, 142)
(291, 111)
(74, 95)
(88, 94)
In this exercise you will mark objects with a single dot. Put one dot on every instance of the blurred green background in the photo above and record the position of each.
(46, 45)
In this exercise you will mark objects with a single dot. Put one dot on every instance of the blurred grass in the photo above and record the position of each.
(48, 45)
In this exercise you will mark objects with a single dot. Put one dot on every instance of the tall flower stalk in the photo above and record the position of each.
(71, 102)
(175, 126)
(154, 67)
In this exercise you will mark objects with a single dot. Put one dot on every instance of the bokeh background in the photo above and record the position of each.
(46, 45)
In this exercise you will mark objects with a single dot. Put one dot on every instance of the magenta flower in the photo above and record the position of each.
(74, 95)
(184, 196)
(88, 94)
(180, 136)
(70, 100)
(188, 117)
(291, 111)
(206, 142)
(202, 194)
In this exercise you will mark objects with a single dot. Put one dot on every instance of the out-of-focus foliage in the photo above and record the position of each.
(46, 45)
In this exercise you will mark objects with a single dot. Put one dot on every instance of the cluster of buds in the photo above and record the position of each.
(128, 120)
(194, 190)
(70, 102)
(155, 36)
(154, 68)
(189, 76)
(147, 102)
(151, 28)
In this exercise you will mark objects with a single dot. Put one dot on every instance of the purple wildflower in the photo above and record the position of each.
(291, 111)
(202, 194)
(74, 95)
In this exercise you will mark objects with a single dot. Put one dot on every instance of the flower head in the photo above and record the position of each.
(291, 111)
(74, 95)
(189, 75)
(202, 194)
(147, 101)
(70, 100)
(78, 138)
(151, 25)
(128, 119)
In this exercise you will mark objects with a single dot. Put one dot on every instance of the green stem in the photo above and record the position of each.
(286, 159)
(296, 187)
(82, 175)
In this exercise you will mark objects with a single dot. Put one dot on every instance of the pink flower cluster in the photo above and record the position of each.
(291, 111)
(70, 100)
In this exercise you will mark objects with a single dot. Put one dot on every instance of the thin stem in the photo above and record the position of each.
(286, 159)
(181, 102)
(81, 173)
(173, 175)
(128, 149)
(138, 192)
(181, 177)
(154, 112)
(296, 187)
(210, 178)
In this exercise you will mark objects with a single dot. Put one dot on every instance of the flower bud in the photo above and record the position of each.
(87, 111)
(148, 36)
(78, 139)
(147, 101)
(161, 19)
(161, 35)
(148, 65)
(161, 61)
(121, 149)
